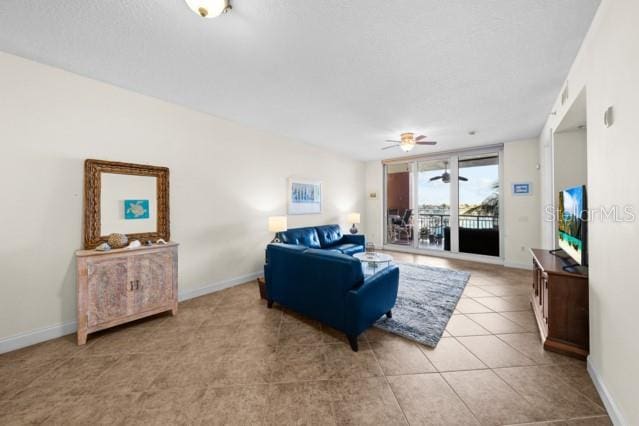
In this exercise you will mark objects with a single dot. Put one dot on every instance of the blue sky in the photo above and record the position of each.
(478, 187)
(573, 201)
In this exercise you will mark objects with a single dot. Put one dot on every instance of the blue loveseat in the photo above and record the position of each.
(327, 237)
(329, 286)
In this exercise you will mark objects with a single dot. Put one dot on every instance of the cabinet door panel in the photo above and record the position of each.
(108, 288)
(153, 281)
(546, 300)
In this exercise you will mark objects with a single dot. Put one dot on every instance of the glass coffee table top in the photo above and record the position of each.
(373, 262)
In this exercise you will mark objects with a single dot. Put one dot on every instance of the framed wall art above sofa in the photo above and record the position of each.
(304, 196)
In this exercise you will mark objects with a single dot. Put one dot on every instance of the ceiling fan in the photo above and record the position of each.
(408, 141)
(445, 177)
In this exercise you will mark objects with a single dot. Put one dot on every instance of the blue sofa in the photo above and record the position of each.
(329, 286)
(327, 237)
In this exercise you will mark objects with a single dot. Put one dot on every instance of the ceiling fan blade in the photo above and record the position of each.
(388, 140)
(426, 143)
(436, 177)
(463, 178)
(391, 146)
(420, 137)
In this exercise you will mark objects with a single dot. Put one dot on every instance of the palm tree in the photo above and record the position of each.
(489, 206)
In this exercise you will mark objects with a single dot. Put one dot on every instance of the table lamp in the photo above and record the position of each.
(277, 224)
(354, 219)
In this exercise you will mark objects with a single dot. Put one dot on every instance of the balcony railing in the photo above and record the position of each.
(436, 220)
(430, 227)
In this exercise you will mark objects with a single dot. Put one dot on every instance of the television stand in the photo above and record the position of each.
(559, 299)
(570, 267)
(575, 268)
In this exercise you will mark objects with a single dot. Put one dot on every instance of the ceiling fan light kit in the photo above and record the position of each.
(209, 8)
(445, 177)
(407, 141)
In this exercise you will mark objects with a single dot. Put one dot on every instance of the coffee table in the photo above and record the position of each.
(373, 262)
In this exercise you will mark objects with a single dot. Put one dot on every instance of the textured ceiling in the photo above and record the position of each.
(340, 74)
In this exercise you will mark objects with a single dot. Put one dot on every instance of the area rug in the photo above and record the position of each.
(426, 300)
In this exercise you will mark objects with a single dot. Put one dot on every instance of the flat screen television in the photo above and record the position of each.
(573, 223)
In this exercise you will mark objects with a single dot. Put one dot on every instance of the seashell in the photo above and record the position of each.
(160, 241)
(135, 244)
(118, 240)
(103, 247)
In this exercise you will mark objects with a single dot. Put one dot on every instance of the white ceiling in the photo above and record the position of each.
(340, 74)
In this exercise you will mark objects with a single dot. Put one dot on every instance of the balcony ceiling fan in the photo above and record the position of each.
(445, 177)
(408, 141)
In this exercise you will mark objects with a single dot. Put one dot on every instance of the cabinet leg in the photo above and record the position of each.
(174, 310)
(82, 337)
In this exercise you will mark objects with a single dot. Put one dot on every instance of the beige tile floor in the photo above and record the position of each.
(227, 359)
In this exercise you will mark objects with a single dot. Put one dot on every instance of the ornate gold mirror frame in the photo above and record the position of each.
(93, 170)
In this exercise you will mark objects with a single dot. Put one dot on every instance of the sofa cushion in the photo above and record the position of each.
(329, 235)
(349, 249)
(306, 237)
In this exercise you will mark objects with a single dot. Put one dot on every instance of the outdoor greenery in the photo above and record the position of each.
(489, 206)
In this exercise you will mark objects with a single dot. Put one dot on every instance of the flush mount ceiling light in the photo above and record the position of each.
(209, 8)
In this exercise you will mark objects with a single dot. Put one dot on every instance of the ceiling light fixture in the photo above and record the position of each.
(407, 141)
(209, 8)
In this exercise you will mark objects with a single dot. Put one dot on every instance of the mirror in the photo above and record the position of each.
(131, 199)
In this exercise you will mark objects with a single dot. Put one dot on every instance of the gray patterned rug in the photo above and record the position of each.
(426, 300)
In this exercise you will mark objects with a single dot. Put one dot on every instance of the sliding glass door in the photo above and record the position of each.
(449, 203)
(399, 213)
(479, 204)
(433, 209)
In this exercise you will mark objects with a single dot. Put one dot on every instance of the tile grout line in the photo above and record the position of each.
(492, 369)
(469, 351)
(388, 383)
(441, 374)
(529, 403)
(565, 382)
(472, 413)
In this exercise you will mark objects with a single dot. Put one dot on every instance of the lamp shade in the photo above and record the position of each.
(208, 8)
(277, 224)
(353, 218)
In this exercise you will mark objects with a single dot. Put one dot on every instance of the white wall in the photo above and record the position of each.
(570, 160)
(225, 181)
(569, 164)
(374, 206)
(521, 213)
(608, 67)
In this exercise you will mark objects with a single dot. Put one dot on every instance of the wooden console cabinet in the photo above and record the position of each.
(123, 285)
(560, 302)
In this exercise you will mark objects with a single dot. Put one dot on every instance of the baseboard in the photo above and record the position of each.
(613, 410)
(446, 254)
(39, 335)
(518, 265)
(221, 285)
